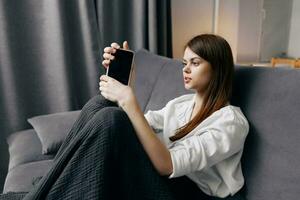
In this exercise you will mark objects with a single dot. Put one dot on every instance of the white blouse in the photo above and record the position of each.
(210, 155)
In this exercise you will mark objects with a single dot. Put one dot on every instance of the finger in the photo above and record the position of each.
(103, 89)
(125, 45)
(108, 56)
(102, 83)
(106, 78)
(115, 45)
(106, 63)
(103, 78)
(109, 50)
(104, 94)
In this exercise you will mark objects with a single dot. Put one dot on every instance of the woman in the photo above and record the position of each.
(113, 152)
(209, 155)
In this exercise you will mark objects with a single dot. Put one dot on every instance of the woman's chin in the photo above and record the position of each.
(188, 87)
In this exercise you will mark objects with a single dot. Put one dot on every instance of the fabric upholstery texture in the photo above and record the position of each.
(269, 98)
(24, 147)
(158, 80)
(148, 68)
(52, 129)
(24, 176)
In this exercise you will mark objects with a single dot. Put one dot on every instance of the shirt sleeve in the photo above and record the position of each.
(225, 137)
(156, 118)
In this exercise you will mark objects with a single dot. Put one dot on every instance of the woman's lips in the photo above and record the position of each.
(187, 79)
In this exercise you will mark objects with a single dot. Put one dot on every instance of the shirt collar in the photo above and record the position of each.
(184, 110)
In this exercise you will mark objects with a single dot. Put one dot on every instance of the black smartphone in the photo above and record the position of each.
(121, 66)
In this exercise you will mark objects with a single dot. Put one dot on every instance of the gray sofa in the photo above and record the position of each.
(269, 97)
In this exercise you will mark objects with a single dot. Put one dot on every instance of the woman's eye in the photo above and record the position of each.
(184, 63)
(195, 63)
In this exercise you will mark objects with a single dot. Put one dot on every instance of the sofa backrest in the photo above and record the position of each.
(269, 98)
(158, 80)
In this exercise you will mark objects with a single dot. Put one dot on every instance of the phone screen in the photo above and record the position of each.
(120, 66)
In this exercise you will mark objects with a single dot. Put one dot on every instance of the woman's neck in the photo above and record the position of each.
(198, 101)
(197, 105)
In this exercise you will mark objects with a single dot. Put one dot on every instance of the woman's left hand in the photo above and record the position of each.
(115, 91)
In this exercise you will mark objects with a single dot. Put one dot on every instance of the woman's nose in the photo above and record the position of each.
(186, 69)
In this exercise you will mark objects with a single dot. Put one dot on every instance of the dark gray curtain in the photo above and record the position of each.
(50, 52)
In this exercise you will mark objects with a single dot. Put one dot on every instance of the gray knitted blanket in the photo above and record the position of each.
(101, 158)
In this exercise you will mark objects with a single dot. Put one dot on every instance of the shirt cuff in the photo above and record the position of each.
(178, 157)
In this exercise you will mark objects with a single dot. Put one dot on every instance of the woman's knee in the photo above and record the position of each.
(98, 102)
(112, 116)
(111, 123)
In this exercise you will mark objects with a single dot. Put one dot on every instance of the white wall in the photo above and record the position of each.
(229, 22)
(294, 42)
(239, 22)
(249, 31)
(193, 17)
(189, 18)
(275, 29)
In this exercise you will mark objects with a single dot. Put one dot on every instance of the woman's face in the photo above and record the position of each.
(197, 72)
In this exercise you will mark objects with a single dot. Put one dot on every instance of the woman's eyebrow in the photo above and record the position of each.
(191, 59)
(194, 58)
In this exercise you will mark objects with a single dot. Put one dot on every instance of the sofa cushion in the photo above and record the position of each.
(158, 80)
(24, 146)
(23, 177)
(148, 69)
(269, 98)
(168, 86)
(52, 129)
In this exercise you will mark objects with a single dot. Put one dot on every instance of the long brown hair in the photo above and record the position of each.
(215, 50)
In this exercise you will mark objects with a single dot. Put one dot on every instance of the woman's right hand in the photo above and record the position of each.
(108, 51)
(107, 57)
